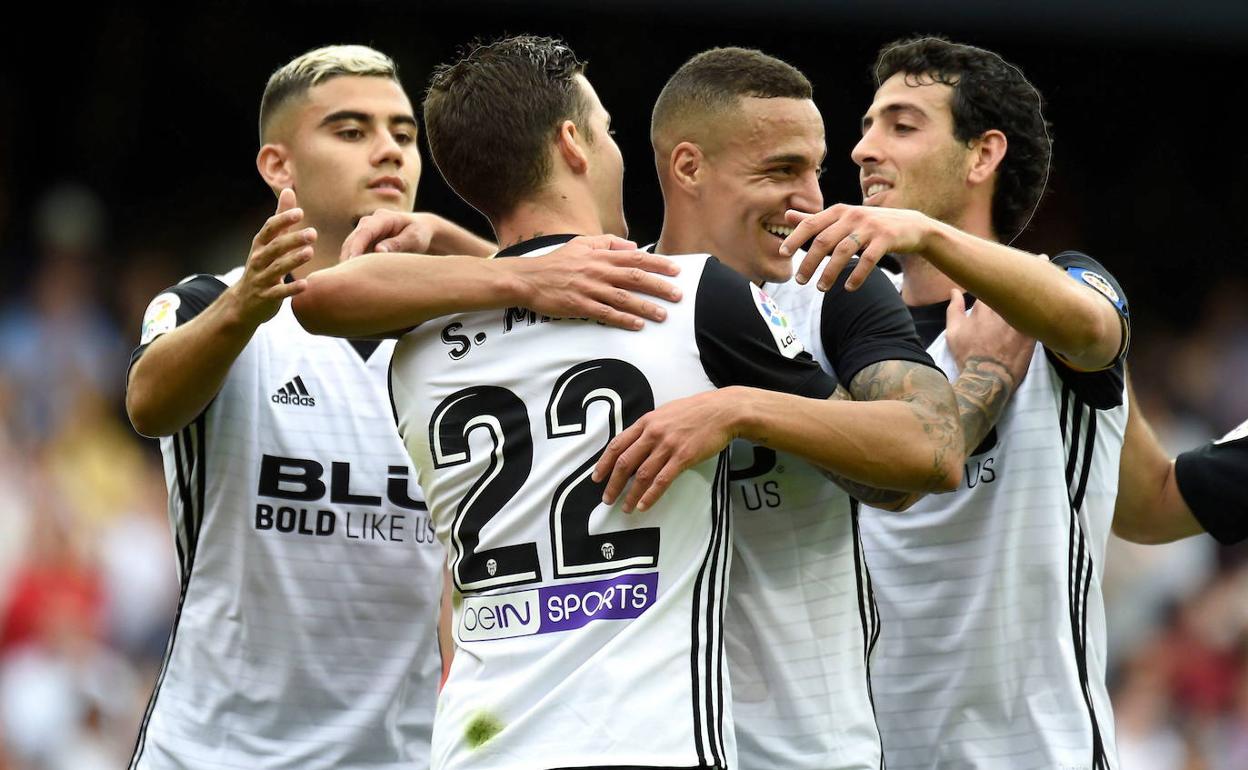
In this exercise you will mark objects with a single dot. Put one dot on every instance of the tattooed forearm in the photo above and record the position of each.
(927, 392)
(982, 390)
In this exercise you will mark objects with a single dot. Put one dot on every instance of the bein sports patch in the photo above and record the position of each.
(777, 323)
(551, 609)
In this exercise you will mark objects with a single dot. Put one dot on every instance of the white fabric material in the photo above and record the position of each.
(306, 634)
(987, 594)
(799, 617)
(543, 675)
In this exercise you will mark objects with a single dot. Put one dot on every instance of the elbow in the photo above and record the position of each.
(143, 416)
(1131, 529)
(308, 311)
(948, 474)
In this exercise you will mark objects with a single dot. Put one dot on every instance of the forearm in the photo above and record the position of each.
(1149, 508)
(982, 390)
(888, 444)
(380, 293)
(1031, 294)
(182, 370)
(450, 238)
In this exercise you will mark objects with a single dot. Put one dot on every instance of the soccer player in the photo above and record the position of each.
(544, 676)
(738, 141)
(310, 579)
(992, 643)
(1161, 500)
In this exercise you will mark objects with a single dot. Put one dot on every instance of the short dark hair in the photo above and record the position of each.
(491, 116)
(988, 93)
(713, 81)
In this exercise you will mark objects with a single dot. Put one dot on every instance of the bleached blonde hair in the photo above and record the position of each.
(294, 78)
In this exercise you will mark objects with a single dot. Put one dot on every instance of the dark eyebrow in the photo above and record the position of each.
(364, 117)
(893, 110)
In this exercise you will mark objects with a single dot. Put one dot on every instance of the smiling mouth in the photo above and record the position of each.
(780, 231)
(877, 188)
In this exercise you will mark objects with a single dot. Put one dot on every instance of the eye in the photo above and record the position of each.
(611, 132)
(403, 137)
(819, 172)
(781, 171)
(350, 134)
(902, 128)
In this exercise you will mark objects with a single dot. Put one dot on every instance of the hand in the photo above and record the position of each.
(596, 277)
(275, 251)
(844, 230)
(984, 335)
(661, 445)
(391, 231)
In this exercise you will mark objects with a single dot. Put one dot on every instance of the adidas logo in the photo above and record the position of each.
(294, 392)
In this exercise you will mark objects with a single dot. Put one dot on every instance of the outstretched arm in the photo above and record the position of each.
(1149, 508)
(589, 277)
(193, 332)
(1071, 318)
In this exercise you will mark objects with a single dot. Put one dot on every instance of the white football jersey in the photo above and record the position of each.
(801, 621)
(584, 636)
(992, 644)
(305, 633)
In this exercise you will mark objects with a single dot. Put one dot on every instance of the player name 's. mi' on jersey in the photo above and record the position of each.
(585, 636)
(305, 636)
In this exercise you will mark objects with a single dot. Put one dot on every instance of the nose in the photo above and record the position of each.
(867, 151)
(807, 196)
(387, 150)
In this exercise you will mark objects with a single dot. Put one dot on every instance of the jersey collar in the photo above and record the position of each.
(533, 244)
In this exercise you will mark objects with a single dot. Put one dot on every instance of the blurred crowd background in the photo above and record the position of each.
(127, 141)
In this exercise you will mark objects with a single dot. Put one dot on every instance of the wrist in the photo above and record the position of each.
(742, 412)
(232, 314)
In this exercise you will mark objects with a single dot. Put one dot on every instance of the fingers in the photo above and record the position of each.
(642, 260)
(807, 228)
(283, 265)
(621, 457)
(262, 260)
(276, 225)
(607, 242)
(955, 313)
(369, 231)
(286, 200)
(647, 487)
(662, 480)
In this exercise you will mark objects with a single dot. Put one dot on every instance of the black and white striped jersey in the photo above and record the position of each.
(992, 644)
(801, 620)
(310, 578)
(585, 636)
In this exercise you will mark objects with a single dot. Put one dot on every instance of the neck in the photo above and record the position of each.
(923, 284)
(324, 254)
(536, 218)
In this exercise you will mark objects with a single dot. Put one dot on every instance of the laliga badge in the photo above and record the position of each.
(161, 317)
(777, 323)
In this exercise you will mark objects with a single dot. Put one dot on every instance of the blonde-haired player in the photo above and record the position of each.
(310, 581)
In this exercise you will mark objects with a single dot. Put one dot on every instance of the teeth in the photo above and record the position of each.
(778, 230)
(876, 188)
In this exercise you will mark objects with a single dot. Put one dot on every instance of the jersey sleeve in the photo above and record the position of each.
(866, 326)
(176, 306)
(743, 338)
(1101, 389)
(1213, 481)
